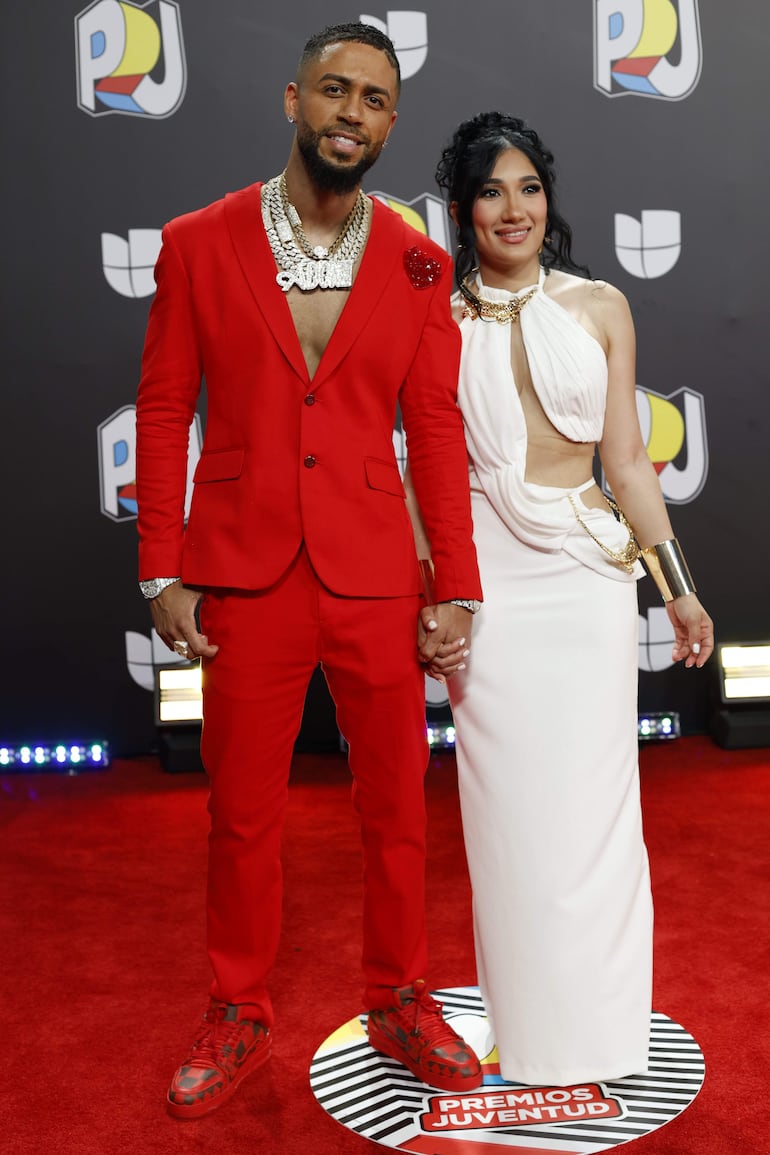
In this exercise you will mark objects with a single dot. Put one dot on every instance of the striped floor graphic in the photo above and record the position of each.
(379, 1099)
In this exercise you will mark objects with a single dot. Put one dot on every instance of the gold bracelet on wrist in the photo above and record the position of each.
(666, 566)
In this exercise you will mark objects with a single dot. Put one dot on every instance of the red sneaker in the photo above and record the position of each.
(228, 1046)
(414, 1032)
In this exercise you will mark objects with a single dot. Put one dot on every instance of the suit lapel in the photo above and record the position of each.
(382, 252)
(243, 214)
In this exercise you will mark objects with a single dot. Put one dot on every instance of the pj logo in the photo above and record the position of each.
(130, 58)
(647, 48)
(116, 443)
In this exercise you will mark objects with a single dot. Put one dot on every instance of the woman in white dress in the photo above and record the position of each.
(545, 705)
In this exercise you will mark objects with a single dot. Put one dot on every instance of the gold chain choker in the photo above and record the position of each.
(504, 312)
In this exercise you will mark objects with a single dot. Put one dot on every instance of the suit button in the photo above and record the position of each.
(309, 461)
(310, 399)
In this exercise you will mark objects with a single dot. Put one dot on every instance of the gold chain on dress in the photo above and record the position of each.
(630, 552)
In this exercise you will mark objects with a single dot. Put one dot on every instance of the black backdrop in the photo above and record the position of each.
(118, 116)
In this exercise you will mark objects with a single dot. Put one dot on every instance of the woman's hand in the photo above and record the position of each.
(693, 631)
(443, 639)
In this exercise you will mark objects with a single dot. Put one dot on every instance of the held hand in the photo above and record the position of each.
(173, 615)
(443, 639)
(693, 631)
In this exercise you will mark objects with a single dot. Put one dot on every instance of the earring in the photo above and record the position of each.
(384, 144)
(290, 119)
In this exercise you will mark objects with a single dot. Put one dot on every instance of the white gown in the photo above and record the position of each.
(546, 717)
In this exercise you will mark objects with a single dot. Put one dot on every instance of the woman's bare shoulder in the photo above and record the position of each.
(600, 306)
(566, 287)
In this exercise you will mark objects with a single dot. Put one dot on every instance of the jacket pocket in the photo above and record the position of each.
(219, 465)
(383, 475)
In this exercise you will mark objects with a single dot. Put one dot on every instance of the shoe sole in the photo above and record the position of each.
(205, 1106)
(387, 1046)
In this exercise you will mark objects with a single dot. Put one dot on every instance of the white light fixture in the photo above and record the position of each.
(744, 672)
(178, 695)
(741, 717)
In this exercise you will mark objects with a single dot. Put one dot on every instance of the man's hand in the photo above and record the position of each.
(443, 639)
(173, 615)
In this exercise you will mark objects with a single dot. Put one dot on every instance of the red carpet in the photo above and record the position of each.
(104, 971)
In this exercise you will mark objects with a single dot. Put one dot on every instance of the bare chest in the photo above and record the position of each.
(315, 315)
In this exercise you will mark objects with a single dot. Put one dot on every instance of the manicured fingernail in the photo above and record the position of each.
(466, 653)
(432, 625)
(461, 641)
(696, 647)
(461, 666)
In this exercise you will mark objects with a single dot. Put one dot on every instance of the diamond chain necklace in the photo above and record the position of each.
(311, 267)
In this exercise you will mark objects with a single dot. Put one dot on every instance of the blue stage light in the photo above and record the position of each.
(656, 726)
(70, 756)
(441, 737)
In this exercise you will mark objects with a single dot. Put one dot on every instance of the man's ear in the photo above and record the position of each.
(290, 100)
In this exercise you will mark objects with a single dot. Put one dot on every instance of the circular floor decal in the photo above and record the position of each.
(379, 1099)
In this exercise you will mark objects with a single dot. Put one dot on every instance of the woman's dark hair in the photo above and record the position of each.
(466, 165)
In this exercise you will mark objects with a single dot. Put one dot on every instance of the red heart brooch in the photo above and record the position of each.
(421, 269)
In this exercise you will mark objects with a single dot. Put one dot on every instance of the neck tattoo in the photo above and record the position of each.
(300, 263)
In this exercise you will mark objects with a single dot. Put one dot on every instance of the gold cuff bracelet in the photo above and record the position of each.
(666, 566)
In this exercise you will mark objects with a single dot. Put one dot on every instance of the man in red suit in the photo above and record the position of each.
(313, 313)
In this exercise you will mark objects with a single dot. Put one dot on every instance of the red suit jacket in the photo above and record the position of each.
(286, 458)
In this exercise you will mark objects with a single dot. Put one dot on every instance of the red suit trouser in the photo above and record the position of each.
(254, 690)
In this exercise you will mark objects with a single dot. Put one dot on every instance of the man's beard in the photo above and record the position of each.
(328, 176)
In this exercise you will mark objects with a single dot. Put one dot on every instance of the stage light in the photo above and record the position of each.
(659, 726)
(741, 717)
(441, 737)
(178, 694)
(178, 716)
(71, 756)
(744, 672)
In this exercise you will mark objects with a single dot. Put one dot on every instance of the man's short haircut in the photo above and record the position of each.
(355, 33)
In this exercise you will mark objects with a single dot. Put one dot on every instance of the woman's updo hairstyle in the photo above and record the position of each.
(466, 165)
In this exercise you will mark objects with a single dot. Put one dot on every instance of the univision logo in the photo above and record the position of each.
(129, 264)
(649, 247)
(409, 34)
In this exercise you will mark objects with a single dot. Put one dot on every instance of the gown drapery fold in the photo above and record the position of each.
(546, 717)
